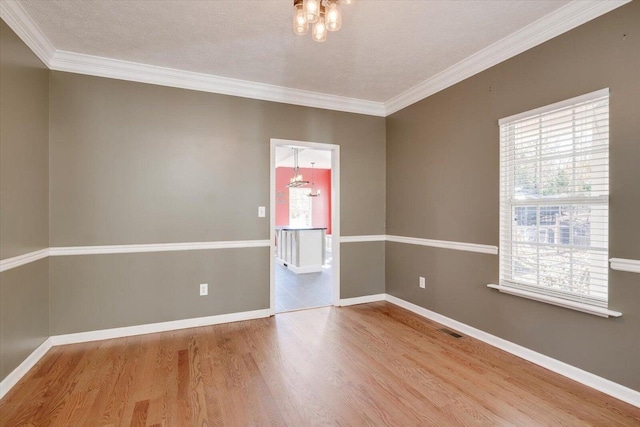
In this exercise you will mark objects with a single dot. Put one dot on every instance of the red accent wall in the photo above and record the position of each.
(321, 205)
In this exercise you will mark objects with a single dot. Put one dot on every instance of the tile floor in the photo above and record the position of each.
(296, 291)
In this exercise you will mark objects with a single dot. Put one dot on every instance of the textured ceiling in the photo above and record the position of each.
(383, 49)
(321, 158)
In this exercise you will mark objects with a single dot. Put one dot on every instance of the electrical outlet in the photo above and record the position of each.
(204, 289)
(262, 211)
(422, 282)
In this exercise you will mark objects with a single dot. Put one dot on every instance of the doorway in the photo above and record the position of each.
(304, 225)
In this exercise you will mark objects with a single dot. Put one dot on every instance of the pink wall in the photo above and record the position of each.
(321, 205)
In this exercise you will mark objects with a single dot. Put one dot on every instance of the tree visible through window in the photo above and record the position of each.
(555, 200)
(299, 207)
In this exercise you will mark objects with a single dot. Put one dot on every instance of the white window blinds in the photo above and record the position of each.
(554, 199)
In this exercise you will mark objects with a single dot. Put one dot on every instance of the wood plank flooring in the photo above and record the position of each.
(372, 364)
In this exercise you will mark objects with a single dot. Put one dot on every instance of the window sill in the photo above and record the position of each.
(585, 308)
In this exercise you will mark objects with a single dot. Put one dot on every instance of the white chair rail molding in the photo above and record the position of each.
(630, 265)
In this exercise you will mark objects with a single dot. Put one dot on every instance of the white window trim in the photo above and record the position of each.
(561, 302)
(558, 105)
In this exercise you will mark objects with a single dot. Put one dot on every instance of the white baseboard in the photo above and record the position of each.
(128, 331)
(22, 369)
(601, 384)
(152, 328)
(606, 386)
(361, 300)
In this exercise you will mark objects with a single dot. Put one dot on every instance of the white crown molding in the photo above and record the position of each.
(365, 238)
(563, 19)
(445, 244)
(630, 265)
(560, 302)
(132, 71)
(21, 23)
(155, 247)
(17, 261)
(26, 28)
(587, 378)
(21, 370)
(552, 25)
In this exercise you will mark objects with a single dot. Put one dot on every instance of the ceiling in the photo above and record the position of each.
(321, 158)
(385, 49)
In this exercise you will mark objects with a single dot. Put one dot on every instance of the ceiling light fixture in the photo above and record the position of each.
(324, 15)
(296, 180)
(313, 192)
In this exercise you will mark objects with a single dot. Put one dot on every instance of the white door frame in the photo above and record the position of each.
(335, 213)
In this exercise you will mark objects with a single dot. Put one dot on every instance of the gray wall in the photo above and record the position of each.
(24, 313)
(136, 163)
(24, 224)
(442, 183)
(363, 273)
(24, 156)
(92, 292)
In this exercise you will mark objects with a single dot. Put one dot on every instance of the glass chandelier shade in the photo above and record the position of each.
(319, 30)
(311, 10)
(332, 16)
(300, 24)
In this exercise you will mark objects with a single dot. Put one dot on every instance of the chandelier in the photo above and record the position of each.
(314, 192)
(296, 180)
(323, 15)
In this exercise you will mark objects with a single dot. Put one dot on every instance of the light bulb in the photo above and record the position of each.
(319, 30)
(311, 10)
(333, 17)
(300, 25)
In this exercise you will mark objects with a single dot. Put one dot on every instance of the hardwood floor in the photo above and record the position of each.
(372, 364)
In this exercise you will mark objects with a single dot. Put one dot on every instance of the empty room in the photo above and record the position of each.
(319, 212)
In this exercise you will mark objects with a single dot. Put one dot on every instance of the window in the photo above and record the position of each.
(299, 207)
(554, 200)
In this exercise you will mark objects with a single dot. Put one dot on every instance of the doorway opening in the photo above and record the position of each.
(304, 225)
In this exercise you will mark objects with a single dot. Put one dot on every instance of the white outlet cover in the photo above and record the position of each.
(422, 282)
(262, 211)
(204, 289)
